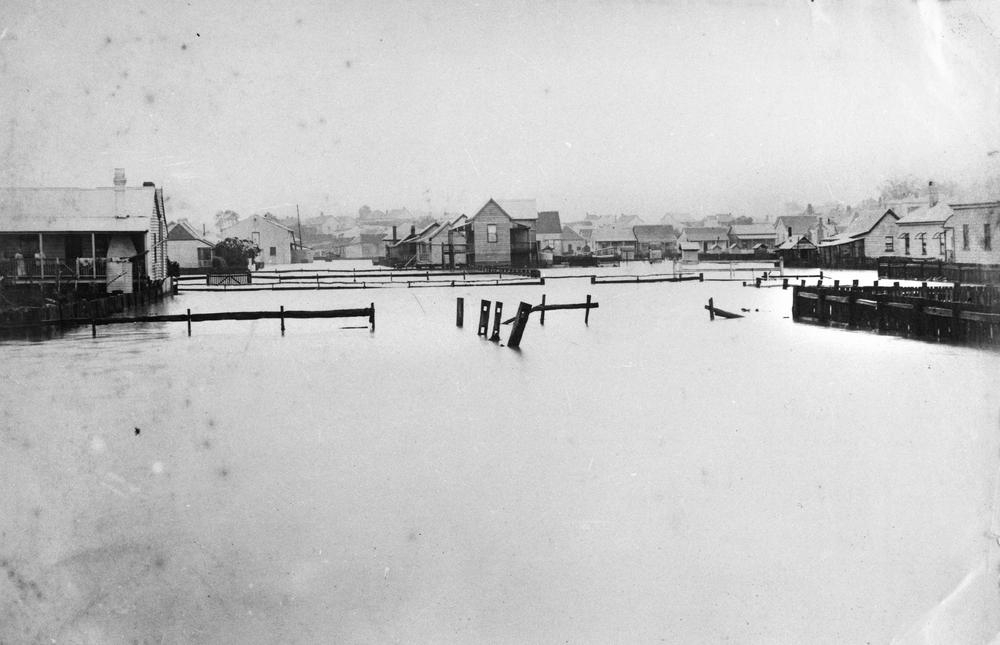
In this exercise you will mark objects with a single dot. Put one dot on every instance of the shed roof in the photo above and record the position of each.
(690, 246)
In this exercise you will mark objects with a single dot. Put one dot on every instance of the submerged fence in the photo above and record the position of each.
(959, 313)
(72, 313)
(303, 280)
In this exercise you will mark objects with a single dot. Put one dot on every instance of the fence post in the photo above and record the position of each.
(371, 316)
(821, 306)
(784, 283)
(282, 320)
(459, 311)
(484, 318)
(541, 318)
(701, 277)
(586, 312)
(189, 321)
(520, 322)
(711, 309)
(497, 310)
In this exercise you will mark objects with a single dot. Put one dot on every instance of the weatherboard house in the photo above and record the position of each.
(276, 241)
(187, 247)
(502, 233)
(113, 236)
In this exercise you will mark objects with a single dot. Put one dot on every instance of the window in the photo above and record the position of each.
(888, 244)
(491, 233)
(965, 237)
(923, 244)
(255, 237)
(987, 241)
(906, 243)
(204, 257)
(941, 244)
(273, 252)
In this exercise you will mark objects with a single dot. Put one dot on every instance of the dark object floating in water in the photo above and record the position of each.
(714, 311)
(137, 431)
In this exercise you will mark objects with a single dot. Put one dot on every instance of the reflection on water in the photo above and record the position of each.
(649, 476)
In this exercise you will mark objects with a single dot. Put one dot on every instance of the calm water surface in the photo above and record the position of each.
(651, 477)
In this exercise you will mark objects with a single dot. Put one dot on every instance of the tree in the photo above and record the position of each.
(743, 219)
(225, 219)
(364, 212)
(235, 252)
(900, 188)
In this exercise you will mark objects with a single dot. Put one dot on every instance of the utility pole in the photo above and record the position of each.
(299, 218)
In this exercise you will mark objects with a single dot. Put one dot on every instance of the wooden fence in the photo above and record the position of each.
(959, 313)
(937, 270)
(82, 311)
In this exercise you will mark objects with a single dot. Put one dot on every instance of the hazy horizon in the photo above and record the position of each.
(606, 107)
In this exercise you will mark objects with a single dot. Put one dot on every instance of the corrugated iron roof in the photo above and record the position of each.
(926, 214)
(76, 209)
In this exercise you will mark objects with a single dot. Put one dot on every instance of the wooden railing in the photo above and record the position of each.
(959, 313)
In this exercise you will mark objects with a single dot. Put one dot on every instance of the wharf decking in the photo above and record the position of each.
(958, 313)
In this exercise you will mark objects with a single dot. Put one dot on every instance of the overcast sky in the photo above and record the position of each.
(635, 107)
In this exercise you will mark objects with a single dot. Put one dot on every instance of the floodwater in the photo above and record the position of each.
(649, 477)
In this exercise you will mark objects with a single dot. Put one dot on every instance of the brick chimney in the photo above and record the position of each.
(119, 179)
(932, 194)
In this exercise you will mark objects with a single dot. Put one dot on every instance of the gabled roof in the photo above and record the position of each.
(705, 234)
(77, 209)
(653, 233)
(569, 235)
(794, 241)
(182, 231)
(800, 224)
(548, 223)
(518, 208)
(865, 221)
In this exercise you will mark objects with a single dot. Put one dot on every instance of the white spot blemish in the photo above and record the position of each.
(157, 468)
(97, 445)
